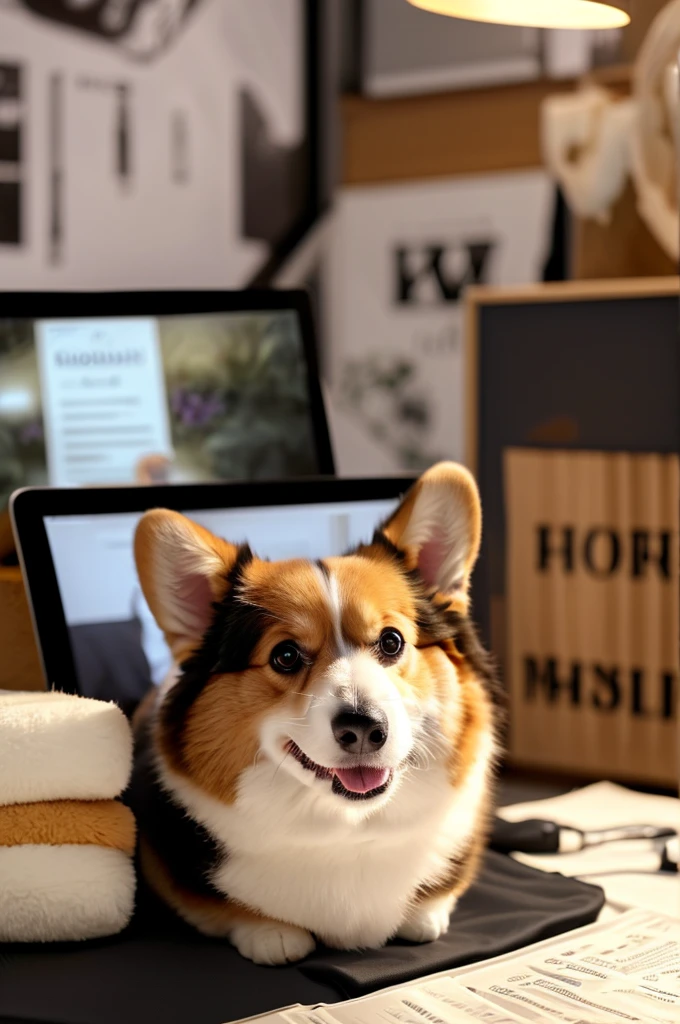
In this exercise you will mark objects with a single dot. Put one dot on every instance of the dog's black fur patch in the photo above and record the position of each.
(227, 646)
(185, 847)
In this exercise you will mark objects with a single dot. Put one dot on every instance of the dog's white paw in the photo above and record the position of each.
(271, 942)
(428, 920)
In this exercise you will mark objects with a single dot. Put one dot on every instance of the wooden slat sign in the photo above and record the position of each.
(593, 600)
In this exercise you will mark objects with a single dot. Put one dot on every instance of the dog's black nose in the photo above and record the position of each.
(360, 731)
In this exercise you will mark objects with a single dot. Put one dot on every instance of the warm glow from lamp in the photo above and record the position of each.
(534, 13)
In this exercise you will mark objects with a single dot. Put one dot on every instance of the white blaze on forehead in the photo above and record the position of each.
(329, 588)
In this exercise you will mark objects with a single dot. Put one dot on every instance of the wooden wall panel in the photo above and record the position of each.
(467, 132)
(20, 667)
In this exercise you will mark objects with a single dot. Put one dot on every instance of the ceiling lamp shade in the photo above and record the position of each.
(535, 13)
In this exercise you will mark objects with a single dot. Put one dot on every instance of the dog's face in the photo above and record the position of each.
(343, 652)
(344, 674)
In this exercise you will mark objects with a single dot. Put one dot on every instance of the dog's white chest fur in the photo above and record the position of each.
(347, 878)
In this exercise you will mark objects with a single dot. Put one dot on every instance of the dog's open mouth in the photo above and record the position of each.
(357, 783)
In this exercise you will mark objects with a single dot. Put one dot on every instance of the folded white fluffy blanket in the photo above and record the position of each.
(57, 746)
(64, 893)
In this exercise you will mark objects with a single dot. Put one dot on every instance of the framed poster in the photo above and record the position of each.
(155, 143)
(400, 259)
(402, 50)
(406, 51)
(580, 379)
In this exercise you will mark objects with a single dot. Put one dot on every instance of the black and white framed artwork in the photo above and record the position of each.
(154, 143)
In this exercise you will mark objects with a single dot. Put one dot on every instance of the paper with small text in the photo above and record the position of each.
(625, 969)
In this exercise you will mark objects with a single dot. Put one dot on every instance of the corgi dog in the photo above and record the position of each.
(319, 764)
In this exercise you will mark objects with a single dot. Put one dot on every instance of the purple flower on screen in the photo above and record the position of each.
(195, 409)
(31, 433)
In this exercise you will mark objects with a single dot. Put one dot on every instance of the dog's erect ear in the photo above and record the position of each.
(439, 526)
(183, 569)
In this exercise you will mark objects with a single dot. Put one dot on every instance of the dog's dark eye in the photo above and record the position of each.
(286, 657)
(391, 643)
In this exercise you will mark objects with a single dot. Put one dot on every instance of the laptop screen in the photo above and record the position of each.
(146, 399)
(118, 650)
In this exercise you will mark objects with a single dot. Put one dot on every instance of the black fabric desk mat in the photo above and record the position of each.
(161, 971)
(509, 906)
(147, 975)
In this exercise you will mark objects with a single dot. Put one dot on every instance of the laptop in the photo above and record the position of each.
(94, 631)
(148, 387)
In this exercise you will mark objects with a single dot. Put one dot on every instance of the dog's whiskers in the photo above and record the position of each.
(276, 770)
(424, 753)
(312, 698)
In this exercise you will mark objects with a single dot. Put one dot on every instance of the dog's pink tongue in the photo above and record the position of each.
(362, 780)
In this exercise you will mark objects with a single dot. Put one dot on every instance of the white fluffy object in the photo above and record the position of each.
(656, 137)
(64, 893)
(57, 746)
(586, 147)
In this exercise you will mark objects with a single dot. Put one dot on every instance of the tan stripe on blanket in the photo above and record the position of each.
(82, 822)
